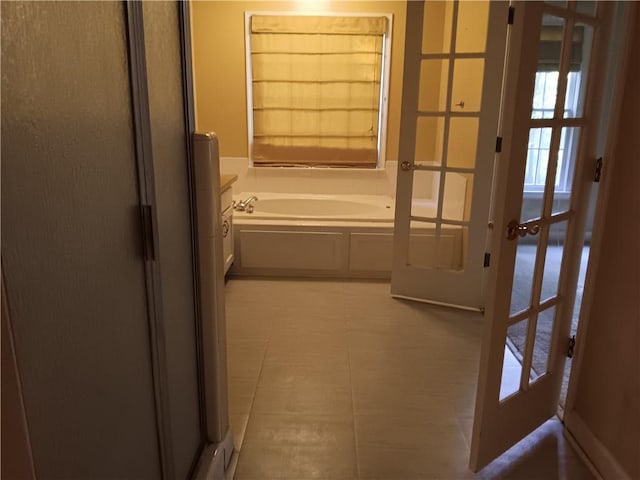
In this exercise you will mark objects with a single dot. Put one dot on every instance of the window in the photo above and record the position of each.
(544, 99)
(317, 89)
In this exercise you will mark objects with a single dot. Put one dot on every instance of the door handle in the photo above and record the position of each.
(515, 229)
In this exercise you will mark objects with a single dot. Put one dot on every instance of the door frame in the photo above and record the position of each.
(589, 447)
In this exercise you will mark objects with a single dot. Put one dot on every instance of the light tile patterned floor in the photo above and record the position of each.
(336, 380)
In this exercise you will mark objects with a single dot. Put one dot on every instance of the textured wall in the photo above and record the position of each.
(71, 248)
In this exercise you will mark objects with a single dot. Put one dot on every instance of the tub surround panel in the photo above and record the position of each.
(312, 250)
(370, 252)
(306, 250)
(311, 180)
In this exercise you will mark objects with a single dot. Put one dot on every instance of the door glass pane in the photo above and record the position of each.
(463, 141)
(565, 171)
(535, 174)
(549, 54)
(523, 273)
(430, 249)
(512, 363)
(451, 247)
(424, 201)
(586, 7)
(422, 245)
(578, 70)
(542, 343)
(467, 85)
(471, 31)
(553, 260)
(434, 75)
(458, 188)
(429, 140)
(436, 27)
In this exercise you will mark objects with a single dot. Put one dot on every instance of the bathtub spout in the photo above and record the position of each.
(246, 205)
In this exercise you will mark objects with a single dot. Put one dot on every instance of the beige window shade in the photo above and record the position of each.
(316, 89)
(549, 49)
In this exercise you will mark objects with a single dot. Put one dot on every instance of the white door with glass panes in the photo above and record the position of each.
(454, 56)
(555, 78)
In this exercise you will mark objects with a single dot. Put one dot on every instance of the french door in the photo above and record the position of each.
(555, 76)
(454, 56)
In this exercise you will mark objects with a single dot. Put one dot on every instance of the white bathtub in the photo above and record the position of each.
(319, 235)
(297, 208)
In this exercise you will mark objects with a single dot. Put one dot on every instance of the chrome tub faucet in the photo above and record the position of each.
(245, 205)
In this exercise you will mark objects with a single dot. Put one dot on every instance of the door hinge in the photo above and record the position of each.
(148, 247)
(598, 170)
(571, 347)
(487, 259)
(498, 144)
(512, 12)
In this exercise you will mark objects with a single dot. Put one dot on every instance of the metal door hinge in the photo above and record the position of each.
(512, 12)
(598, 170)
(487, 259)
(498, 144)
(148, 247)
(571, 347)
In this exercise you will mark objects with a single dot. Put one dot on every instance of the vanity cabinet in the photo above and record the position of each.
(227, 222)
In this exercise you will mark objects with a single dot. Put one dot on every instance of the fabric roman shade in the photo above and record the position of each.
(316, 89)
(551, 44)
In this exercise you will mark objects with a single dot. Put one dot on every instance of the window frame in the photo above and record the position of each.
(385, 71)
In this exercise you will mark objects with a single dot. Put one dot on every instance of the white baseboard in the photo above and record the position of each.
(595, 455)
(215, 459)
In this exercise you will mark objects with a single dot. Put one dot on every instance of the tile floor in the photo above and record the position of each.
(336, 380)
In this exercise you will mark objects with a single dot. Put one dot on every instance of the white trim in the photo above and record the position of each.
(215, 459)
(595, 455)
(383, 117)
(439, 304)
(385, 71)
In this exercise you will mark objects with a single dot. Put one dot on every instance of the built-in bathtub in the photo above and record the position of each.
(320, 235)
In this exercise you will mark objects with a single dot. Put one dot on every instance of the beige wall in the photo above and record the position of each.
(219, 65)
(220, 78)
(608, 391)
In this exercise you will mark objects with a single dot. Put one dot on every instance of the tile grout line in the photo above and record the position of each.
(353, 412)
(253, 397)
